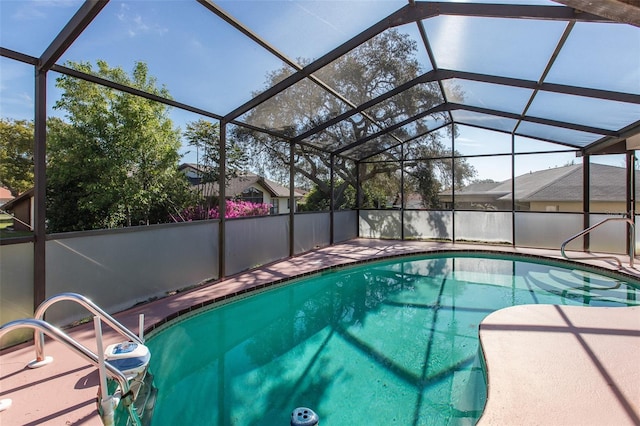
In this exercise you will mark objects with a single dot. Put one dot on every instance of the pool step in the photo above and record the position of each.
(469, 399)
(144, 392)
(570, 286)
(146, 399)
(585, 279)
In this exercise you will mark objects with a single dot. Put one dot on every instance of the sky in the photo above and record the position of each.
(184, 45)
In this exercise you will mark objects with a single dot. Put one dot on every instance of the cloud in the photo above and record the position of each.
(467, 141)
(134, 24)
(18, 105)
(321, 19)
(36, 10)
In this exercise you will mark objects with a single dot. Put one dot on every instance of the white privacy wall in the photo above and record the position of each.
(311, 230)
(380, 224)
(16, 288)
(547, 230)
(117, 269)
(254, 241)
(345, 225)
(495, 227)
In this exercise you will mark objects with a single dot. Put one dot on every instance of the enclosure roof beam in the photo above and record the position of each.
(425, 10)
(547, 69)
(217, 10)
(432, 58)
(212, 7)
(443, 74)
(409, 14)
(627, 11)
(76, 25)
(380, 151)
(17, 56)
(316, 65)
(627, 132)
(424, 78)
(434, 110)
(545, 121)
(166, 101)
(454, 106)
(127, 89)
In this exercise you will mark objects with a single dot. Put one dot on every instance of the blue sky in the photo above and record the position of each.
(184, 45)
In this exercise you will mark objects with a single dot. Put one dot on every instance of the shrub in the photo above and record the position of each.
(235, 208)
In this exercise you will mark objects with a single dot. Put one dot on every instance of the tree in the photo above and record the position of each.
(316, 200)
(16, 155)
(370, 70)
(206, 136)
(114, 161)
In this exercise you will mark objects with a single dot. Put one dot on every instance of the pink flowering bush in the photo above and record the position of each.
(234, 209)
(244, 208)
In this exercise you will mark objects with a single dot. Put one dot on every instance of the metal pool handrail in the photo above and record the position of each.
(632, 244)
(89, 305)
(57, 334)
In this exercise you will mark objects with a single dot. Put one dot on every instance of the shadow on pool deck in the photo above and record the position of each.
(64, 392)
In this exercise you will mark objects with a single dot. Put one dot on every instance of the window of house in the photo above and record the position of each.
(252, 195)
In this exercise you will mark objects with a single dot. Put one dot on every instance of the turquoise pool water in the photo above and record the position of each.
(384, 343)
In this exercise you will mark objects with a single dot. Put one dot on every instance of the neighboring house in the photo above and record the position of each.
(21, 208)
(5, 196)
(247, 187)
(557, 189)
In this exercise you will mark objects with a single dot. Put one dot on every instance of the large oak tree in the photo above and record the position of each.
(370, 70)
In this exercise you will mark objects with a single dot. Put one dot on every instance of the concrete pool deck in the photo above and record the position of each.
(581, 363)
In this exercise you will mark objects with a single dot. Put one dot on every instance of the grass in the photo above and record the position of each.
(4, 233)
(6, 221)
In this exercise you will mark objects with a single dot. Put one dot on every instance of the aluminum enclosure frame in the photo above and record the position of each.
(414, 12)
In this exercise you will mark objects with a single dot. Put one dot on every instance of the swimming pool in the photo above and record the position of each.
(382, 343)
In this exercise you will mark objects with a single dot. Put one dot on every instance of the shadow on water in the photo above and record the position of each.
(347, 300)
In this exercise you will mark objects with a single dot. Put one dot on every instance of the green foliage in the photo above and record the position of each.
(16, 155)
(205, 136)
(114, 161)
(370, 70)
(380, 187)
(316, 199)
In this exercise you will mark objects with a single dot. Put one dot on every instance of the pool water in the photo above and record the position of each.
(389, 342)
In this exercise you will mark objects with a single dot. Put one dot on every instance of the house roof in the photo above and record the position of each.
(239, 184)
(482, 188)
(10, 205)
(5, 194)
(607, 183)
(527, 185)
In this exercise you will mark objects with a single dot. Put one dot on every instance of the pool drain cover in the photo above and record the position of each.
(304, 417)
